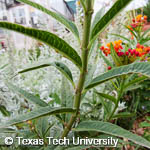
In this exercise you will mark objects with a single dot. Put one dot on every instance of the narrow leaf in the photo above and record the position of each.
(107, 18)
(140, 67)
(48, 38)
(109, 97)
(120, 36)
(58, 65)
(66, 94)
(4, 111)
(98, 16)
(69, 24)
(28, 96)
(106, 60)
(148, 118)
(83, 5)
(124, 115)
(132, 31)
(40, 112)
(105, 105)
(144, 124)
(115, 56)
(112, 129)
(145, 32)
(135, 81)
(7, 130)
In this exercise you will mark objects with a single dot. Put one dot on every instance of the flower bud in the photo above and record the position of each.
(127, 53)
(132, 52)
(137, 53)
(109, 68)
(138, 45)
(129, 50)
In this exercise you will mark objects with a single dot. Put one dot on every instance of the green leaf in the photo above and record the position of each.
(83, 5)
(124, 115)
(137, 80)
(106, 60)
(105, 105)
(120, 36)
(115, 56)
(28, 96)
(40, 112)
(109, 97)
(140, 67)
(66, 97)
(143, 41)
(48, 38)
(107, 18)
(132, 31)
(7, 130)
(42, 125)
(58, 65)
(69, 24)
(144, 124)
(90, 73)
(4, 66)
(148, 118)
(111, 129)
(4, 111)
(133, 87)
(145, 32)
(98, 16)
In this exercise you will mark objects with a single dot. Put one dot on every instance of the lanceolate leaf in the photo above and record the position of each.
(106, 19)
(144, 124)
(106, 60)
(132, 31)
(98, 16)
(104, 103)
(109, 97)
(148, 30)
(4, 111)
(135, 81)
(115, 56)
(28, 96)
(112, 129)
(141, 68)
(120, 36)
(124, 115)
(7, 130)
(69, 24)
(40, 112)
(58, 65)
(48, 38)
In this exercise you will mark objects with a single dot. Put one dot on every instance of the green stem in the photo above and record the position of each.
(119, 97)
(85, 52)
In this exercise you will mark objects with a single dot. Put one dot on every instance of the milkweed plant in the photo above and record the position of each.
(124, 58)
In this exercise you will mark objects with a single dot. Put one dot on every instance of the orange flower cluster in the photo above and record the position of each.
(116, 44)
(137, 23)
(139, 51)
(142, 50)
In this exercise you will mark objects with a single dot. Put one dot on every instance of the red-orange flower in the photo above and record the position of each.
(116, 44)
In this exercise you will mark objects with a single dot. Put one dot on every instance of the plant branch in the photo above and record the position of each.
(85, 51)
